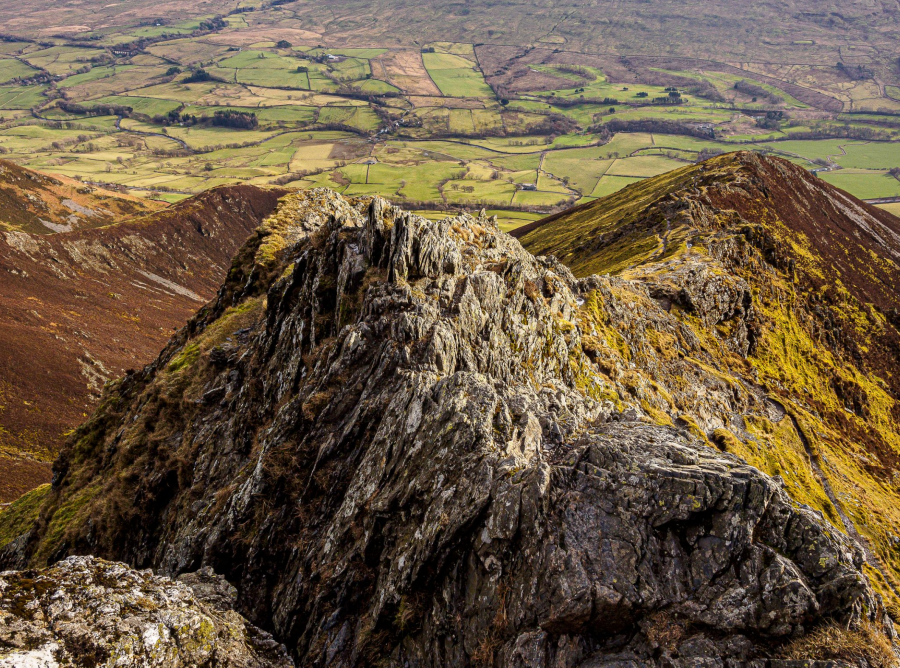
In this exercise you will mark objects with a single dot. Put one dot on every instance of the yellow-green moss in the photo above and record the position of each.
(64, 515)
(21, 514)
(185, 358)
(659, 417)
(235, 318)
(694, 429)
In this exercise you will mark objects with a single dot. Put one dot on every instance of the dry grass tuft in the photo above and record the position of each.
(664, 630)
(314, 405)
(834, 642)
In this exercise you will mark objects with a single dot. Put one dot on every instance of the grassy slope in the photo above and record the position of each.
(825, 297)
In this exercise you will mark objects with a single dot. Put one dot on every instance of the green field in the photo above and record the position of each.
(420, 123)
(21, 97)
(865, 184)
(10, 68)
(456, 76)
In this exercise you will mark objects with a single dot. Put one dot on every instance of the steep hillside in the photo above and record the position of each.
(78, 308)
(794, 288)
(410, 442)
(41, 204)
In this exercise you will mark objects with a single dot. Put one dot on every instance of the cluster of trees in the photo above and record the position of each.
(856, 72)
(199, 76)
(771, 121)
(655, 126)
(699, 88)
(565, 102)
(284, 179)
(95, 110)
(553, 124)
(226, 118)
(828, 131)
(428, 205)
(322, 58)
(707, 153)
(239, 120)
(174, 117)
(673, 96)
(213, 25)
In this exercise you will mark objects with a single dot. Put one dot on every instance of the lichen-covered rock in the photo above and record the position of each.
(88, 612)
(412, 443)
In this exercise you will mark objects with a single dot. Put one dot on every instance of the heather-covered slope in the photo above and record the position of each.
(413, 443)
(801, 282)
(78, 308)
(41, 204)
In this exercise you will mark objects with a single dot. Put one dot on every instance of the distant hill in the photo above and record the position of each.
(42, 204)
(731, 30)
(78, 308)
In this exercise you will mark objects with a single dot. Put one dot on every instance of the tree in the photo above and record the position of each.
(283, 44)
(198, 76)
(612, 110)
(172, 71)
(504, 102)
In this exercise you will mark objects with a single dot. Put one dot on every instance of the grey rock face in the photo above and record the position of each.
(89, 612)
(416, 455)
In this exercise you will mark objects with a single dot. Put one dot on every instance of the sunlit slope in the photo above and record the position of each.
(793, 289)
(34, 202)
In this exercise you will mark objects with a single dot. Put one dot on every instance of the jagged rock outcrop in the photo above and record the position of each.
(89, 612)
(412, 443)
(789, 287)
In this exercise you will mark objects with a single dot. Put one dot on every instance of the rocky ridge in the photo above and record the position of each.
(411, 442)
(791, 286)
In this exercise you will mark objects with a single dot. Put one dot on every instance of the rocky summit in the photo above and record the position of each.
(408, 442)
(88, 612)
